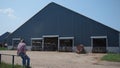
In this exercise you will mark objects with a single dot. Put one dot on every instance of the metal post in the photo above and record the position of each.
(12, 61)
(0, 58)
(58, 44)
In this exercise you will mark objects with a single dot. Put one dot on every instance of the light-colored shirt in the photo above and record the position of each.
(21, 48)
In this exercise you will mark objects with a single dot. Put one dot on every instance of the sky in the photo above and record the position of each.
(14, 13)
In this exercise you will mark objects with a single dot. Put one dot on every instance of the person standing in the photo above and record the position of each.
(21, 51)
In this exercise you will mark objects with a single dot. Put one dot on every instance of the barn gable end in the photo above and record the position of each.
(55, 20)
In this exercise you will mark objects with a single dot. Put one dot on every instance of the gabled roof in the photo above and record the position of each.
(47, 9)
(4, 36)
(53, 3)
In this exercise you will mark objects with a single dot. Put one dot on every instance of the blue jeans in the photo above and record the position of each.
(25, 59)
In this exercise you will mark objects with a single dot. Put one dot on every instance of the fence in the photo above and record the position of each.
(13, 58)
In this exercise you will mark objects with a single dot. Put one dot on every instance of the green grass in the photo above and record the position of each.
(5, 65)
(111, 57)
(3, 48)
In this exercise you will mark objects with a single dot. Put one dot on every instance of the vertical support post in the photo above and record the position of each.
(58, 44)
(73, 48)
(12, 61)
(0, 58)
(43, 44)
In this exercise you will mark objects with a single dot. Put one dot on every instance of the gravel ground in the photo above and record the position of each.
(45, 59)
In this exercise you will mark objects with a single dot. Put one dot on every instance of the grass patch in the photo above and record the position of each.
(5, 65)
(111, 57)
(3, 48)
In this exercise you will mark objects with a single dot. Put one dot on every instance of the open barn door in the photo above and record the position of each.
(99, 44)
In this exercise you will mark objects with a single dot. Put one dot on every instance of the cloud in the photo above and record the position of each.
(9, 12)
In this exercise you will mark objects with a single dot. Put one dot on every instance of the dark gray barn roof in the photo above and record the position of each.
(52, 4)
(4, 36)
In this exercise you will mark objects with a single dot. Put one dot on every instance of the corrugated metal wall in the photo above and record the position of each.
(57, 20)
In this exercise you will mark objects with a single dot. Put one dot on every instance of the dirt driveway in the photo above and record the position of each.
(42, 59)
